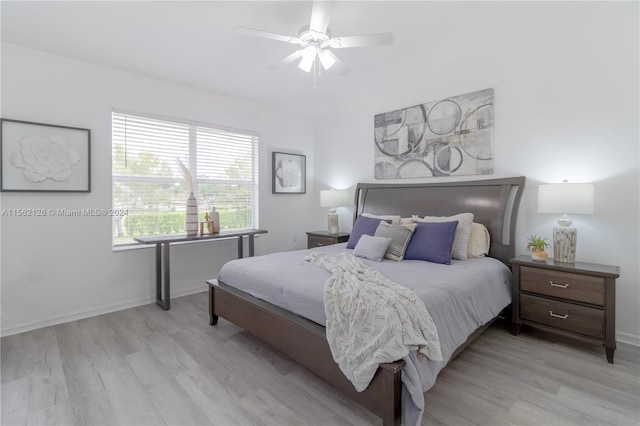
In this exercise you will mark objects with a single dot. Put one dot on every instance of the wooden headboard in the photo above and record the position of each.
(493, 202)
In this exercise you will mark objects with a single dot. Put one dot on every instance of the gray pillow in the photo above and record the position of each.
(400, 236)
(372, 248)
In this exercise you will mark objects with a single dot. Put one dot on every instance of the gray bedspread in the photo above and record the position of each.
(460, 298)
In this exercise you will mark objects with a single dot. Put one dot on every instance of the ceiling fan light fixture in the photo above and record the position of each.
(317, 42)
(308, 58)
(327, 59)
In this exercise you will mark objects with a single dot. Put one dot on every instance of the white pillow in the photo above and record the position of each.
(406, 221)
(479, 240)
(372, 248)
(395, 219)
(463, 231)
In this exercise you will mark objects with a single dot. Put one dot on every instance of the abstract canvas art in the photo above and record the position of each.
(448, 137)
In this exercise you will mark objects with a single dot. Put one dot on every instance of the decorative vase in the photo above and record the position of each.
(214, 217)
(539, 255)
(192, 215)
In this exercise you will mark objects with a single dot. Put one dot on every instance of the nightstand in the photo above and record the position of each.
(576, 299)
(323, 238)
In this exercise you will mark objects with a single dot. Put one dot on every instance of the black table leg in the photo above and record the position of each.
(159, 273)
(251, 247)
(161, 281)
(240, 247)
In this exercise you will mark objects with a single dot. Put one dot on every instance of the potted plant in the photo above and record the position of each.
(536, 246)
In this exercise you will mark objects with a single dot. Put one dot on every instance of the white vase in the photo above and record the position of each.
(192, 215)
(214, 217)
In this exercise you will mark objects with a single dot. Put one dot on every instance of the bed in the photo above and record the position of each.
(493, 202)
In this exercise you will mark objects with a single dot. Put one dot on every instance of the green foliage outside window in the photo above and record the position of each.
(161, 223)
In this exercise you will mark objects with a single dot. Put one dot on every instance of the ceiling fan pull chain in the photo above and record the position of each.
(315, 73)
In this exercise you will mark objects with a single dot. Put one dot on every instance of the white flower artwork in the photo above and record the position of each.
(42, 157)
(289, 174)
(45, 157)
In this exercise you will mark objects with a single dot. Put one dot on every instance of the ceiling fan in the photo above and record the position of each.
(315, 41)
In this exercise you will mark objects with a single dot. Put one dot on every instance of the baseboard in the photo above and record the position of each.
(628, 339)
(61, 319)
(624, 338)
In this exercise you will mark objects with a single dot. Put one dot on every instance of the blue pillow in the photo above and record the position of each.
(364, 225)
(432, 241)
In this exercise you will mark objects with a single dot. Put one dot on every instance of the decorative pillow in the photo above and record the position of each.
(363, 225)
(372, 248)
(400, 236)
(406, 221)
(479, 240)
(463, 231)
(432, 241)
(395, 219)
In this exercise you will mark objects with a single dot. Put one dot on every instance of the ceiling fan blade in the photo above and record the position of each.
(338, 65)
(320, 15)
(361, 40)
(266, 34)
(288, 59)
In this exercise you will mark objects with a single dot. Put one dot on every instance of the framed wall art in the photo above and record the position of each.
(39, 157)
(289, 174)
(448, 137)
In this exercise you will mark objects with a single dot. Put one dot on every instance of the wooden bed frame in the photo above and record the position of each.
(493, 202)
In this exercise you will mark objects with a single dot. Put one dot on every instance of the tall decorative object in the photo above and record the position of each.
(192, 202)
(575, 198)
(192, 215)
(214, 217)
(333, 198)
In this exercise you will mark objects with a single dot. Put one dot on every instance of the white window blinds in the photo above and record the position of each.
(149, 185)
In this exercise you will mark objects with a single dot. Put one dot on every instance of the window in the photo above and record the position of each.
(149, 186)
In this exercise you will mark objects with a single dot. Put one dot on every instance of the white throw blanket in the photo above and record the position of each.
(370, 319)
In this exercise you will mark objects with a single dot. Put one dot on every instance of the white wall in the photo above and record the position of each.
(565, 80)
(60, 268)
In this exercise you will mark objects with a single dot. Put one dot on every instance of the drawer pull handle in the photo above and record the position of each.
(319, 245)
(552, 284)
(558, 316)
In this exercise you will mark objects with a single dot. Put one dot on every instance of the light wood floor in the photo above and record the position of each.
(145, 366)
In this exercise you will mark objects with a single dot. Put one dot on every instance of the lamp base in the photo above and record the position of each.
(564, 244)
(332, 222)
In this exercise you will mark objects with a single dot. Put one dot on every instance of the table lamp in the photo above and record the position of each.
(333, 198)
(566, 198)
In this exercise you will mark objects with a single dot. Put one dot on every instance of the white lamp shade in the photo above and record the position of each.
(566, 198)
(308, 58)
(327, 59)
(333, 198)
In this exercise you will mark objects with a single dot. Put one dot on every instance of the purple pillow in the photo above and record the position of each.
(364, 225)
(432, 242)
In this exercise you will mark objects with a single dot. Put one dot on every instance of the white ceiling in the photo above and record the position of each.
(194, 43)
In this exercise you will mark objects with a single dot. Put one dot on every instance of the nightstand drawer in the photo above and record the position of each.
(564, 285)
(314, 241)
(566, 316)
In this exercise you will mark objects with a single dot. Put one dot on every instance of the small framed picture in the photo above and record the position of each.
(40, 157)
(289, 173)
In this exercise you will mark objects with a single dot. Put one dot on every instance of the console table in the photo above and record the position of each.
(163, 280)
